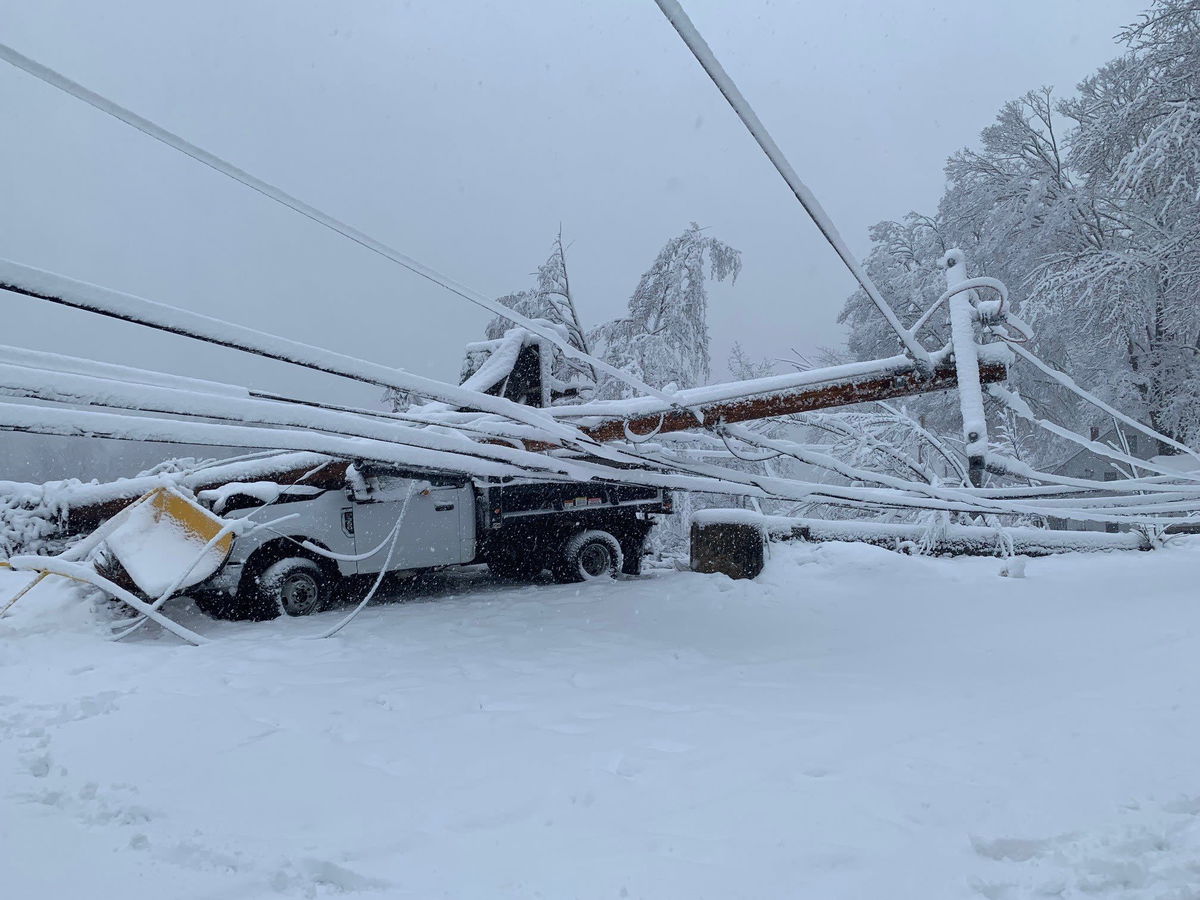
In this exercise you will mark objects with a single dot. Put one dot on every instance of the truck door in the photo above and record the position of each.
(431, 533)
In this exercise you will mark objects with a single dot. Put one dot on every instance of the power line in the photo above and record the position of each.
(704, 55)
(63, 83)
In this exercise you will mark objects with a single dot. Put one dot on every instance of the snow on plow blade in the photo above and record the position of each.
(165, 536)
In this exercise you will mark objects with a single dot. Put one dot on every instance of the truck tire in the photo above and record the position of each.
(588, 556)
(294, 586)
(633, 547)
(515, 565)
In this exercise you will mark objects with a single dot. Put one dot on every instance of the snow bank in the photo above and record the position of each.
(855, 723)
(67, 610)
(31, 517)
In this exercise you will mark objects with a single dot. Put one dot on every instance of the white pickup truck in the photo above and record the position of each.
(577, 530)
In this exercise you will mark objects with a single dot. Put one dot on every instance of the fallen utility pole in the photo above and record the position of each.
(738, 402)
(886, 383)
(732, 541)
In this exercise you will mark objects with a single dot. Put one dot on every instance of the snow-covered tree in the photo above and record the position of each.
(1128, 300)
(903, 263)
(664, 338)
(1089, 210)
(551, 299)
(743, 368)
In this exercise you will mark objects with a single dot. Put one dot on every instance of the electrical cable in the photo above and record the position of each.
(704, 55)
(150, 129)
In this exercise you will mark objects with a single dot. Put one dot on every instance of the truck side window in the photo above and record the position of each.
(391, 489)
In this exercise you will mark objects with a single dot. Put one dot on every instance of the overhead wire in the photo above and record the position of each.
(740, 105)
(151, 129)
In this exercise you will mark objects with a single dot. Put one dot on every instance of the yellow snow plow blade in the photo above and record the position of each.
(169, 540)
(193, 519)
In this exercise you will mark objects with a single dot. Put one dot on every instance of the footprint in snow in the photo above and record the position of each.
(1151, 853)
(621, 765)
(309, 876)
(1013, 849)
(38, 764)
(191, 855)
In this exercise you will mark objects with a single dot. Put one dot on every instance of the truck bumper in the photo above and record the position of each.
(225, 580)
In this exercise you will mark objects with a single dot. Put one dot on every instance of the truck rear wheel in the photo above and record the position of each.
(588, 556)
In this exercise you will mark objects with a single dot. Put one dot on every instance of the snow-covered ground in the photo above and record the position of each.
(854, 724)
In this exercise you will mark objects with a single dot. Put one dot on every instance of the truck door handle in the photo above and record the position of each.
(444, 507)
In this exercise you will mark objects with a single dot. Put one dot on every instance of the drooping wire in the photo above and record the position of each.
(635, 438)
(1070, 384)
(387, 563)
(704, 55)
(969, 285)
(722, 434)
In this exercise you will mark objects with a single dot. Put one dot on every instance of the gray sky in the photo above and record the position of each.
(463, 133)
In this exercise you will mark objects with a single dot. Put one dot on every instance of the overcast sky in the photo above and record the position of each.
(464, 133)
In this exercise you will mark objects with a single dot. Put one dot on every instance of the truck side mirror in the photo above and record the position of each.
(358, 488)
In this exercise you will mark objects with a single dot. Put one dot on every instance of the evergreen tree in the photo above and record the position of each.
(551, 300)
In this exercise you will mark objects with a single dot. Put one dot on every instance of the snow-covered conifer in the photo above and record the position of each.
(551, 300)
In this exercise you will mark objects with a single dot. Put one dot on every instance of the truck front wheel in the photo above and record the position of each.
(588, 556)
(294, 586)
